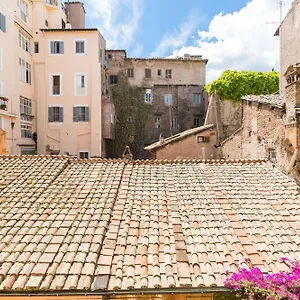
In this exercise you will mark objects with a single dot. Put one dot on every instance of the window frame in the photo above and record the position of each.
(157, 122)
(23, 6)
(198, 96)
(130, 72)
(26, 110)
(146, 96)
(148, 72)
(85, 46)
(51, 84)
(75, 84)
(166, 97)
(196, 125)
(29, 126)
(168, 73)
(60, 120)
(76, 106)
(24, 41)
(59, 41)
(84, 151)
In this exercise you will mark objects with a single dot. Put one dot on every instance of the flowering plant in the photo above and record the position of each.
(252, 283)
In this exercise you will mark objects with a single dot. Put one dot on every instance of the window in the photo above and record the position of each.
(148, 96)
(36, 47)
(26, 131)
(24, 41)
(168, 99)
(55, 85)
(80, 47)
(159, 72)
(113, 79)
(56, 47)
(196, 122)
(46, 23)
(130, 119)
(81, 114)
(100, 53)
(22, 69)
(203, 139)
(130, 73)
(83, 154)
(55, 114)
(63, 24)
(26, 109)
(272, 155)
(28, 73)
(109, 56)
(147, 73)
(196, 98)
(25, 71)
(174, 123)
(80, 85)
(157, 122)
(168, 73)
(23, 9)
(2, 23)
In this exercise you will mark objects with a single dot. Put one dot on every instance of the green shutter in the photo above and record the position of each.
(61, 114)
(50, 114)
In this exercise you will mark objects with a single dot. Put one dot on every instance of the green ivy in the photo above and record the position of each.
(129, 103)
(234, 84)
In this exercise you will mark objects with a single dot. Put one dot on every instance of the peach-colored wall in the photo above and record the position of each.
(13, 88)
(69, 136)
(189, 148)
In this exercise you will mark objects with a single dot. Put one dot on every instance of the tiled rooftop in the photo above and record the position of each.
(119, 225)
(271, 99)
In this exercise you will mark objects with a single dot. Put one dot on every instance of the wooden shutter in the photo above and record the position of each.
(61, 47)
(50, 114)
(87, 114)
(75, 114)
(61, 114)
(52, 50)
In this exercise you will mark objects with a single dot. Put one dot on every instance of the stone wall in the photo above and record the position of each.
(261, 137)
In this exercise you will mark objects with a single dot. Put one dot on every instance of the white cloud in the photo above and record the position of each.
(179, 36)
(243, 40)
(117, 20)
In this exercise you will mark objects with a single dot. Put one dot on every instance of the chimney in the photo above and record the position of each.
(292, 124)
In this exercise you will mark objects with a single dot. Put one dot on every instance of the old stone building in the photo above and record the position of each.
(270, 127)
(173, 88)
(196, 143)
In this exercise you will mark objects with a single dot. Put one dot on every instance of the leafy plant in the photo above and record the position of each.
(252, 283)
(234, 84)
(131, 116)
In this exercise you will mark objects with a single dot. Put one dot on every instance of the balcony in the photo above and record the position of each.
(52, 3)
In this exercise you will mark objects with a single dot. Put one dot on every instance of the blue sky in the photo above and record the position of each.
(232, 34)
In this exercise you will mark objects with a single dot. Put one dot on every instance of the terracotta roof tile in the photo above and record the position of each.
(104, 224)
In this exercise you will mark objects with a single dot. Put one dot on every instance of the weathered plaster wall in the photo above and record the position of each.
(189, 148)
(289, 41)
(263, 130)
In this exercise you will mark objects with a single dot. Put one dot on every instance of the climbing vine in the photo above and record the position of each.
(131, 117)
(234, 84)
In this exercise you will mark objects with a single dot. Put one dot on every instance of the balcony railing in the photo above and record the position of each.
(3, 104)
(52, 2)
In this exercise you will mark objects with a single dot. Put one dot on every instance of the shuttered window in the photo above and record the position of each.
(81, 114)
(55, 114)
(79, 47)
(2, 23)
(56, 47)
(80, 85)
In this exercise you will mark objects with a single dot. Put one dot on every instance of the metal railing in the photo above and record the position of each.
(52, 2)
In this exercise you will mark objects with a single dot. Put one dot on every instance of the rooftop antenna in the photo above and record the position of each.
(280, 5)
